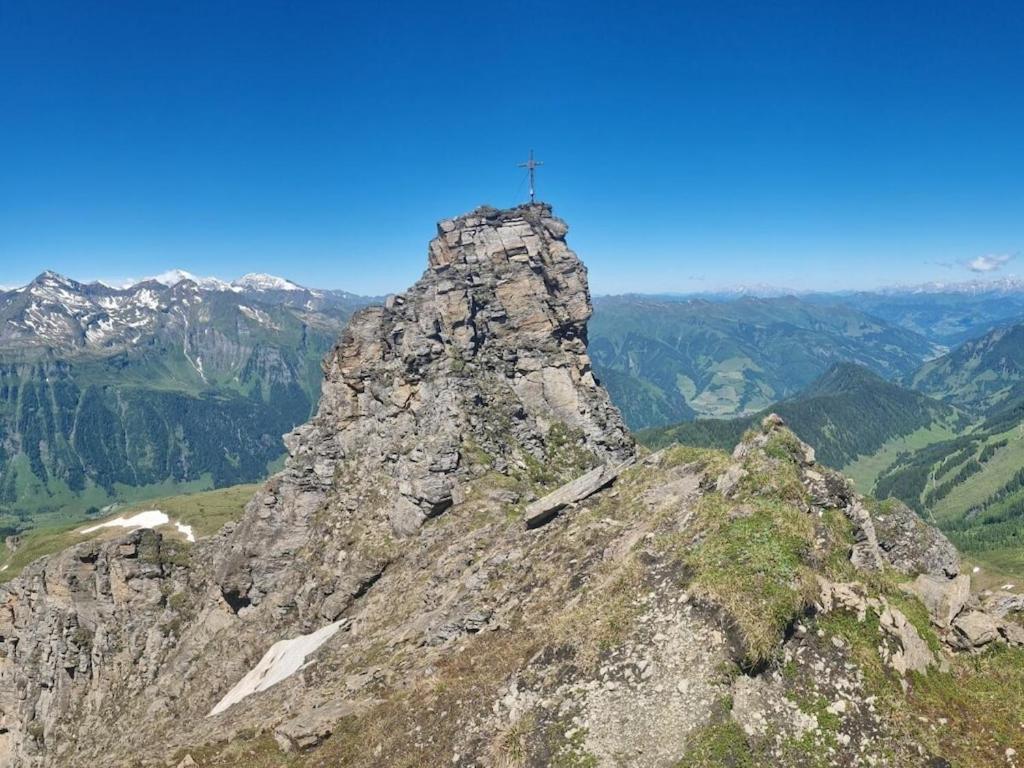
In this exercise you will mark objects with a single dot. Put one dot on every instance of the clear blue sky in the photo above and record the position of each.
(688, 145)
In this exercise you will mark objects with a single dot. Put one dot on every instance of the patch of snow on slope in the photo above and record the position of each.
(147, 299)
(185, 530)
(151, 518)
(285, 658)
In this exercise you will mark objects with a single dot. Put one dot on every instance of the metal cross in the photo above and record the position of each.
(532, 166)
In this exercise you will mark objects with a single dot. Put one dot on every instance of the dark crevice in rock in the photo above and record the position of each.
(235, 599)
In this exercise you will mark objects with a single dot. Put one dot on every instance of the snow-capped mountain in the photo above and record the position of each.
(172, 277)
(171, 379)
(1002, 285)
(57, 313)
(259, 281)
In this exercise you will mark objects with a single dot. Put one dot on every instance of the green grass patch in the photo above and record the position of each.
(206, 512)
(753, 562)
(721, 745)
(864, 471)
(999, 468)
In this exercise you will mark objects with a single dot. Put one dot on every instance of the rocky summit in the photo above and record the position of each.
(466, 561)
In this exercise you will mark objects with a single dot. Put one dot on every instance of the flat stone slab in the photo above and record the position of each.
(544, 509)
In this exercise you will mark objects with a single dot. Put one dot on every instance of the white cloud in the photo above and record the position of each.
(988, 263)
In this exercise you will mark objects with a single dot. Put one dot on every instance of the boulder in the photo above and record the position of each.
(544, 509)
(310, 727)
(1012, 632)
(973, 629)
(944, 598)
(914, 655)
(912, 546)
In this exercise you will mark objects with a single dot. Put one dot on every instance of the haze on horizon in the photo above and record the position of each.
(689, 148)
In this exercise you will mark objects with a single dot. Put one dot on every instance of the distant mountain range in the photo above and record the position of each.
(185, 382)
(107, 392)
(666, 360)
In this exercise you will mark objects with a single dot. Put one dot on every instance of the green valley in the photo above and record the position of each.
(666, 359)
(849, 414)
(114, 395)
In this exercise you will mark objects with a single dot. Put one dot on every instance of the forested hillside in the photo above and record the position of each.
(110, 394)
(848, 412)
(665, 360)
(983, 374)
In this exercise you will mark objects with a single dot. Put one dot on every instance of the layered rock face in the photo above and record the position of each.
(475, 369)
(483, 356)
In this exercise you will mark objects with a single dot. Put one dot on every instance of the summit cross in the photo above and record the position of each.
(532, 166)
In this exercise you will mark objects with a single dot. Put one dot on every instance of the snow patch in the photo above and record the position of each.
(258, 316)
(285, 658)
(147, 299)
(259, 281)
(151, 518)
(172, 277)
(185, 530)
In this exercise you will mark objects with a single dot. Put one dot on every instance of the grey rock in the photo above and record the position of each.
(912, 546)
(544, 509)
(973, 629)
(913, 655)
(1012, 632)
(310, 727)
(944, 598)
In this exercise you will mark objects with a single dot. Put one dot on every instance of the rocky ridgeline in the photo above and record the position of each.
(482, 357)
(467, 372)
(461, 564)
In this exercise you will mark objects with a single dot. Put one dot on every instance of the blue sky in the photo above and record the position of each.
(813, 145)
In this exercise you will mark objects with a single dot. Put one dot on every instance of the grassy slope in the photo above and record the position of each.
(206, 512)
(728, 358)
(864, 470)
(993, 475)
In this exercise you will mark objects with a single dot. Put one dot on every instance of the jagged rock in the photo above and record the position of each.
(973, 629)
(310, 727)
(487, 349)
(544, 509)
(944, 598)
(911, 546)
(867, 553)
(913, 655)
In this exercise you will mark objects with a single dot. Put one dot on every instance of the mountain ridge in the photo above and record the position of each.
(847, 412)
(109, 393)
(384, 600)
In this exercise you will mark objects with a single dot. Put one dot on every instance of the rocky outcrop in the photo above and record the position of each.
(470, 369)
(480, 367)
(382, 601)
(944, 598)
(912, 546)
